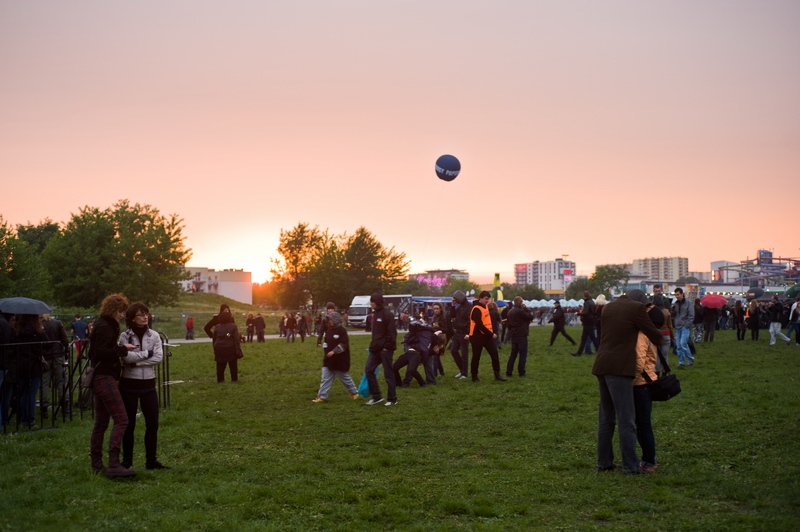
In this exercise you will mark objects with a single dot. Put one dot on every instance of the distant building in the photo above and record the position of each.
(553, 275)
(725, 271)
(703, 277)
(438, 278)
(663, 268)
(233, 284)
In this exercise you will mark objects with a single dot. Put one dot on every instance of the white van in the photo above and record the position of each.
(360, 308)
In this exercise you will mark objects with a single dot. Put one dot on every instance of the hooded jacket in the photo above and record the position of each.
(336, 340)
(460, 313)
(384, 330)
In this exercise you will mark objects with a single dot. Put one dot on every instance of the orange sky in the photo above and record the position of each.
(606, 131)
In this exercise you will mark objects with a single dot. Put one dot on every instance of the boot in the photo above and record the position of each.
(114, 468)
(97, 463)
(499, 377)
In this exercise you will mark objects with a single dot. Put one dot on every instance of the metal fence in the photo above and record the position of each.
(67, 397)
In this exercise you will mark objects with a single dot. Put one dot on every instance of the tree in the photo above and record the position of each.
(20, 269)
(327, 274)
(527, 292)
(297, 247)
(37, 236)
(323, 267)
(370, 266)
(577, 286)
(606, 278)
(131, 249)
(465, 285)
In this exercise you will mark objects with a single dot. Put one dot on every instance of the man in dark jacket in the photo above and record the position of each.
(558, 320)
(381, 350)
(518, 325)
(459, 314)
(587, 315)
(55, 355)
(615, 368)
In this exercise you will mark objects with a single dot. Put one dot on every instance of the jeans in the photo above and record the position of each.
(519, 346)
(644, 427)
(384, 359)
(796, 328)
(411, 359)
(28, 391)
(775, 330)
(289, 332)
(664, 350)
(682, 341)
(588, 335)
(329, 375)
(460, 352)
(616, 406)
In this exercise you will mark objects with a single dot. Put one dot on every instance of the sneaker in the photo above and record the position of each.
(458, 376)
(354, 396)
(155, 465)
(390, 403)
(575, 354)
(318, 400)
(647, 467)
(603, 469)
(463, 377)
(375, 402)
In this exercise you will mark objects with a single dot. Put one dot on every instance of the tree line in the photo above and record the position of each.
(134, 249)
(129, 248)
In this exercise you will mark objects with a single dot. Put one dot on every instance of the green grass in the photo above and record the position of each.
(520, 455)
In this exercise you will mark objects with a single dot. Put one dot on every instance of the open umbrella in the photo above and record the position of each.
(713, 301)
(793, 291)
(753, 293)
(23, 305)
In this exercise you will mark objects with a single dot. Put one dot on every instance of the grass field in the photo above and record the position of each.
(259, 455)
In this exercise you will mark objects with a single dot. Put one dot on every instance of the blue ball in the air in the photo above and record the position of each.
(447, 167)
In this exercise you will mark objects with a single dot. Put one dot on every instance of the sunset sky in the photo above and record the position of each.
(602, 130)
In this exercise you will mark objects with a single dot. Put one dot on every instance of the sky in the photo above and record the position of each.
(600, 131)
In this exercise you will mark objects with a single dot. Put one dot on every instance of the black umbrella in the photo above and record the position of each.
(23, 305)
(753, 293)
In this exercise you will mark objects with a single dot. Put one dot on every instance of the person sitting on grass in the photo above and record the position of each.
(336, 360)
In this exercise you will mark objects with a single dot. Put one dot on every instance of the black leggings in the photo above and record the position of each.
(148, 399)
(234, 364)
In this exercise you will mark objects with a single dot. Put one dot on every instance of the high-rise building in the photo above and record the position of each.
(547, 275)
(662, 268)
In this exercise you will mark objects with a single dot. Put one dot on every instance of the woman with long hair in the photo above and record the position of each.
(738, 320)
(108, 357)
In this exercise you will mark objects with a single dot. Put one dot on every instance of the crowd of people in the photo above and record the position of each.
(628, 335)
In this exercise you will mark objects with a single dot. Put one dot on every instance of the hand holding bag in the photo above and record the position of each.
(666, 387)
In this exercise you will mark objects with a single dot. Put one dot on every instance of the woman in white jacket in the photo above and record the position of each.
(138, 385)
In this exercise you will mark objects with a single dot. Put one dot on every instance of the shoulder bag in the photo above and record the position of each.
(667, 386)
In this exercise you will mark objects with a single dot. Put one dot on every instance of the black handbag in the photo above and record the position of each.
(667, 386)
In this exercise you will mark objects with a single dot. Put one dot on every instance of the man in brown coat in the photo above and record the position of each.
(615, 368)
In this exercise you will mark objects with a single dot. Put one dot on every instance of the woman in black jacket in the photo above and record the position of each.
(107, 357)
(226, 340)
